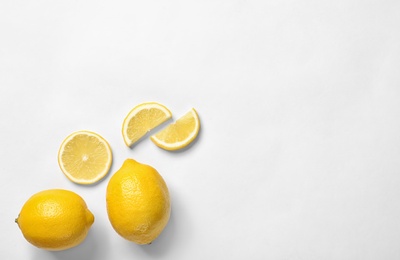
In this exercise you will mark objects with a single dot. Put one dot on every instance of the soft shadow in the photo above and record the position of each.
(93, 247)
(169, 238)
(164, 242)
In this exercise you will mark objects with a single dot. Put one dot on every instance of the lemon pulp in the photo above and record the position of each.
(141, 119)
(179, 134)
(85, 157)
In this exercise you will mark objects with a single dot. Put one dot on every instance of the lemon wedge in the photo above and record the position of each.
(179, 134)
(85, 157)
(141, 119)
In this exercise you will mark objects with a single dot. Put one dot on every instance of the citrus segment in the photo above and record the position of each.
(85, 157)
(141, 119)
(179, 134)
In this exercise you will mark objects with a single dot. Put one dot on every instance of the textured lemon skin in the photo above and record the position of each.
(138, 202)
(55, 219)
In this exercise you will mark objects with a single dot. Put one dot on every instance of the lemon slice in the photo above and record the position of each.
(85, 157)
(179, 134)
(141, 119)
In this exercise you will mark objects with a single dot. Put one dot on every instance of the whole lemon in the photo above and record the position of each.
(55, 219)
(138, 203)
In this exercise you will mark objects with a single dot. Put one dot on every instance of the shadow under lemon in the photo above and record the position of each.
(94, 247)
(173, 237)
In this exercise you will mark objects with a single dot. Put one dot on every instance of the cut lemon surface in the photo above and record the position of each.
(85, 157)
(179, 134)
(141, 119)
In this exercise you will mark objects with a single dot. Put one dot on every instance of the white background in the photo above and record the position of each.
(299, 152)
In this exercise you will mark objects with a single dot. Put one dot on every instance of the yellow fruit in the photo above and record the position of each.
(55, 219)
(138, 203)
(179, 134)
(141, 119)
(85, 157)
